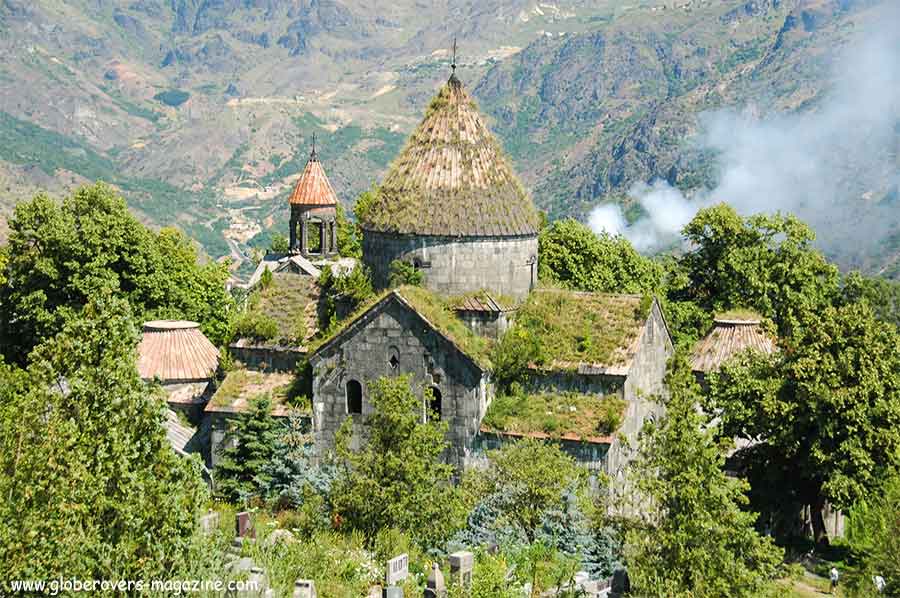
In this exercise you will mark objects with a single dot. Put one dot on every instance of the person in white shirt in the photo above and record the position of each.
(834, 575)
(879, 583)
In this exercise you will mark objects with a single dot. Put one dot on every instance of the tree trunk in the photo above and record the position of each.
(820, 534)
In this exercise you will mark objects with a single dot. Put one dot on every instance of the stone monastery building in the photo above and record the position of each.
(451, 207)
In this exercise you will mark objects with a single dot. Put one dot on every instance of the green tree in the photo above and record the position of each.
(518, 349)
(825, 411)
(349, 235)
(242, 473)
(62, 254)
(882, 295)
(572, 255)
(398, 478)
(695, 539)
(873, 530)
(342, 294)
(280, 243)
(403, 273)
(766, 263)
(531, 478)
(91, 487)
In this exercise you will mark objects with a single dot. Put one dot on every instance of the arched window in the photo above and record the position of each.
(434, 403)
(354, 397)
(394, 360)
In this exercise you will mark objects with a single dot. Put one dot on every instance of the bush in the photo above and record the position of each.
(403, 274)
(256, 326)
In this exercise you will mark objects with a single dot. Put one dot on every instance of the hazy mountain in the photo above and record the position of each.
(201, 111)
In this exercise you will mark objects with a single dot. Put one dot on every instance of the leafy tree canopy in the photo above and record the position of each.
(398, 479)
(766, 263)
(62, 254)
(91, 487)
(824, 409)
(529, 478)
(696, 539)
(572, 255)
(874, 533)
(349, 235)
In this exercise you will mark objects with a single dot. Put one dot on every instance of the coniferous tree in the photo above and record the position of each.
(695, 539)
(242, 472)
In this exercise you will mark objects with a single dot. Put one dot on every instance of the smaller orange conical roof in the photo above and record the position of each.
(313, 187)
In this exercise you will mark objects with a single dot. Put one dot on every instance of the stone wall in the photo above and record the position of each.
(644, 385)
(267, 359)
(364, 353)
(485, 323)
(457, 265)
(562, 381)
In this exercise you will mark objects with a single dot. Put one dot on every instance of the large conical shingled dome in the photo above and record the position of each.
(452, 178)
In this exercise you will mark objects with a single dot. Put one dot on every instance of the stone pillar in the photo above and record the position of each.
(293, 231)
(304, 233)
(323, 238)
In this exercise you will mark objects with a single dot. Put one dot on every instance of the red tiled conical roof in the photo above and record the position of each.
(313, 188)
(452, 178)
(176, 350)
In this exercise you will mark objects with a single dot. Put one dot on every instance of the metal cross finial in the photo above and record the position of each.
(453, 62)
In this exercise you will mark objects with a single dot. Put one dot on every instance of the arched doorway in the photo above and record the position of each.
(434, 403)
(354, 397)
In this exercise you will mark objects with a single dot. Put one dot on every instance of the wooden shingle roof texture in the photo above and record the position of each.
(452, 179)
(176, 350)
(313, 187)
(728, 338)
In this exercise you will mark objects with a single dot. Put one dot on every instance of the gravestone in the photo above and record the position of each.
(244, 526)
(392, 592)
(461, 565)
(304, 588)
(397, 569)
(209, 523)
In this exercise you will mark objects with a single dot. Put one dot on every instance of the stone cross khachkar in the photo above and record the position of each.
(397, 569)
(209, 522)
(244, 526)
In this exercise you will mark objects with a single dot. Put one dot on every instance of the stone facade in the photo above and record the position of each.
(392, 339)
(491, 324)
(457, 265)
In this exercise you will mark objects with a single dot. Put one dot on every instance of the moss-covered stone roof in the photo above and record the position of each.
(451, 179)
(568, 415)
(242, 386)
(577, 330)
(291, 300)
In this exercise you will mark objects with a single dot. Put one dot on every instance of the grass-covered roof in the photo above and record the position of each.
(291, 301)
(575, 328)
(242, 386)
(431, 308)
(452, 178)
(573, 416)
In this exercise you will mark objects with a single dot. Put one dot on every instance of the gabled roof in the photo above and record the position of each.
(276, 263)
(589, 333)
(290, 299)
(313, 187)
(482, 301)
(729, 337)
(176, 351)
(452, 179)
(431, 310)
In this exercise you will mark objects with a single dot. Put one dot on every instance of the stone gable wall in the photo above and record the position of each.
(457, 265)
(392, 329)
(643, 386)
